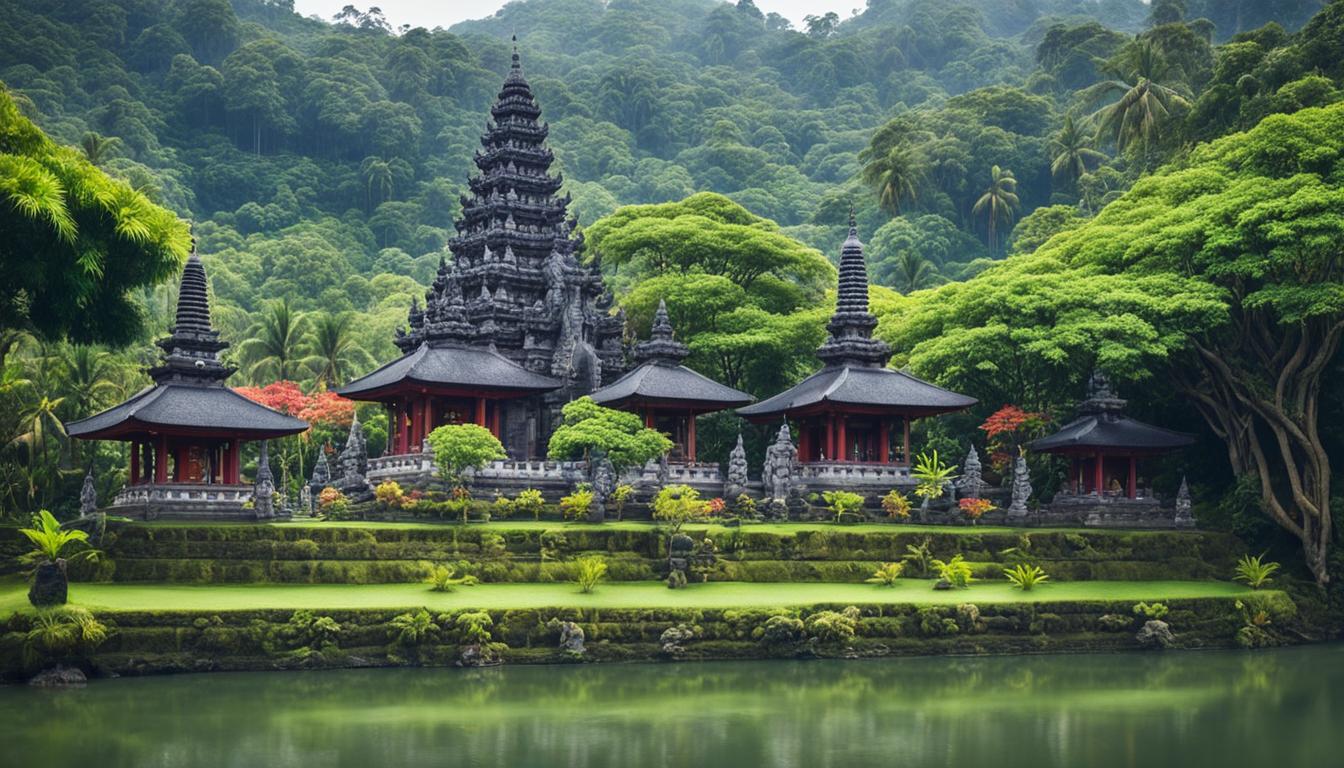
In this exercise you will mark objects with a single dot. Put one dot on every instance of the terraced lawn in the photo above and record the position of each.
(130, 597)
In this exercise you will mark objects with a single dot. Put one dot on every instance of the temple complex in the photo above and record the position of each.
(855, 410)
(667, 394)
(514, 327)
(186, 431)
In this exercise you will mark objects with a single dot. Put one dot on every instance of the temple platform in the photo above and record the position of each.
(185, 501)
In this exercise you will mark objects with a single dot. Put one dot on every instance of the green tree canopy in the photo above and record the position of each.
(586, 427)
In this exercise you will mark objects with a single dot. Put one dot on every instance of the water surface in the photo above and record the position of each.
(1277, 708)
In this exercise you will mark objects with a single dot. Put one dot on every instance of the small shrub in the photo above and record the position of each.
(576, 505)
(745, 506)
(833, 626)
(1254, 572)
(778, 630)
(956, 571)
(975, 508)
(918, 557)
(501, 508)
(589, 571)
(678, 505)
(843, 503)
(715, 507)
(413, 628)
(58, 632)
(1024, 576)
(473, 627)
(332, 503)
(444, 578)
(1154, 611)
(389, 495)
(933, 476)
(896, 505)
(886, 574)
(620, 497)
(529, 502)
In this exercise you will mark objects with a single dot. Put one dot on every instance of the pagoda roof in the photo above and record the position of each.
(1102, 425)
(452, 367)
(660, 381)
(187, 408)
(864, 388)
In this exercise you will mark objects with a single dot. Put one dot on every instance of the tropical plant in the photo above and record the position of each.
(911, 272)
(843, 503)
(886, 574)
(588, 571)
(1254, 572)
(918, 556)
(974, 508)
(586, 427)
(273, 349)
(51, 542)
(1024, 576)
(677, 505)
(333, 352)
(897, 176)
(715, 506)
(473, 627)
(529, 501)
(998, 205)
(896, 504)
(576, 505)
(1150, 610)
(1148, 94)
(620, 497)
(1073, 153)
(57, 632)
(378, 176)
(956, 571)
(462, 447)
(444, 578)
(332, 503)
(389, 494)
(413, 628)
(933, 476)
(98, 148)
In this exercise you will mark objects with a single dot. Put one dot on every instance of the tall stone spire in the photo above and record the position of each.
(661, 347)
(850, 340)
(191, 351)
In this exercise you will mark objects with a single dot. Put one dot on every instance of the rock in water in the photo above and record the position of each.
(59, 677)
(50, 586)
(1155, 634)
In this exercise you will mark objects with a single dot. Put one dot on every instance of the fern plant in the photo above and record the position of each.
(956, 571)
(589, 571)
(1254, 572)
(1024, 576)
(918, 557)
(444, 578)
(886, 574)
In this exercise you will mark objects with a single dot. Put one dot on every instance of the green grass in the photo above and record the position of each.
(133, 597)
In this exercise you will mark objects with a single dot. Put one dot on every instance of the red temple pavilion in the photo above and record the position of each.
(1104, 446)
(188, 428)
(667, 394)
(855, 409)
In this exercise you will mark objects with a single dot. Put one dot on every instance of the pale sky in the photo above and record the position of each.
(445, 13)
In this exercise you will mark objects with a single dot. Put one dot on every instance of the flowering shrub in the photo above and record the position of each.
(333, 503)
(974, 508)
(1007, 429)
(895, 504)
(388, 494)
(715, 506)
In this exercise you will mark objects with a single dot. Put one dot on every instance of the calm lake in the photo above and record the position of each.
(1273, 708)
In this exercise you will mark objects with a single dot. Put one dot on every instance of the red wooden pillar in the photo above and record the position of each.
(236, 461)
(135, 462)
(830, 436)
(494, 419)
(884, 442)
(905, 444)
(417, 423)
(1133, 477)
(842, 446)
(690, 437)
(403, 425)
(1096, 475)
(648, 418)
(480, 411)
(161, 459)
(804, 440)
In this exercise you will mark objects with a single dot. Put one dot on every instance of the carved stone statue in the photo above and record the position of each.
(603, 482)
(263, 489)
(736, 482)
(321, 472)
(354, 461)
(1021, 488)
(781, 465)
(1184, 518)
(971, 484)
(88, 497)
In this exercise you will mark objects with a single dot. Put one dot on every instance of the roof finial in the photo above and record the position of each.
(853, 228)
(517, 64)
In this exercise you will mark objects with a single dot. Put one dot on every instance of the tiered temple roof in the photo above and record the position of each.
(1103, 426)
(188, 396)
(855, 373)
(661, 378)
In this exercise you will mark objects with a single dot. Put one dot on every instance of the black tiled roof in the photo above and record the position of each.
(452, 366)
(862, 386)
(1105, 430)
(659, 380)
(187, 407)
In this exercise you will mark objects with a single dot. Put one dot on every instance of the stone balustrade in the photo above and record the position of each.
(182, 501)
(846, 474)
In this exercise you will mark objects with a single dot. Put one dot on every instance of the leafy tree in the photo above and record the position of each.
(97, 148)
(459, 448)
(586, 427)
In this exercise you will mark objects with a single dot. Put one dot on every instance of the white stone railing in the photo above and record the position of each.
(535, 471)
(848, 472)
(181, 493)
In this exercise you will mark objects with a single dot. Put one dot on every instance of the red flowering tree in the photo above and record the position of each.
(1007, 430)
(327, 413)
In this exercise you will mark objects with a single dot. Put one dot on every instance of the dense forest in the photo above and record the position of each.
(998, 155)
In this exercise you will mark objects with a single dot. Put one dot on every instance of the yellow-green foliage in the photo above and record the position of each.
(956, 571)
(1254, 572)
(895, 504)
(886, 574)
(1024, 576)
(576, 505)
(588, 571)
(843, 503)
(678, 505)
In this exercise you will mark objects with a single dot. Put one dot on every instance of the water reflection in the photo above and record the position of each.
(1279, 708)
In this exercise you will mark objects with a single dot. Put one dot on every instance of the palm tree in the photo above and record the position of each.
(333, 352)
(1073, 153)
(912, 272)
(897, 176)
(90, 377)
(98, 148)
(273, 350)
(998, 205)
(1147, 90)
(377, 174)
(38, 422)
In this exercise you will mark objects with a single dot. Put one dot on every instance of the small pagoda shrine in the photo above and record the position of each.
(1104, 446)
(667, 394)
(186, 431)
(514, 326)
(855, 409)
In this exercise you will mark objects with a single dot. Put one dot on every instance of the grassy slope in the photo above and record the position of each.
(114, 597)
